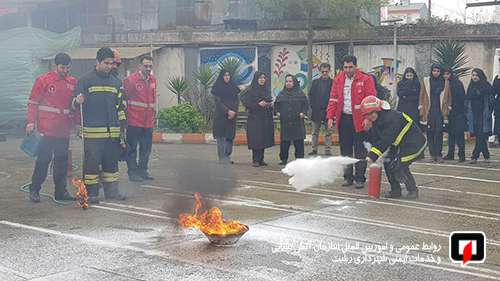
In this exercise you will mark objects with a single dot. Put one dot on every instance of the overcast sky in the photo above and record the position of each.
(456, 9)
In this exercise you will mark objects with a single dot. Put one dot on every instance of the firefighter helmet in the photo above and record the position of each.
(372, 103)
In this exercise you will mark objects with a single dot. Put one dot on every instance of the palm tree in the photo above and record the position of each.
(451, 54)
(231, 65)
(178, 85)
(201, 99)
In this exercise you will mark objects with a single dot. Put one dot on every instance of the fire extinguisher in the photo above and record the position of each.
(374, 180)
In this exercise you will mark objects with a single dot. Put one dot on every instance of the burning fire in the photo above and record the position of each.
(81, 193)
(210, 221)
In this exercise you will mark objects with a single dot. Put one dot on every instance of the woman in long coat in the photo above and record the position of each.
(496, 87)
(291, 106)
(480, 101)
(226, 108)
(457, 120)
(260, 127)
(409, 93)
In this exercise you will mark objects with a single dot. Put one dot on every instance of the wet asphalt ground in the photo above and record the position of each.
(324, 233)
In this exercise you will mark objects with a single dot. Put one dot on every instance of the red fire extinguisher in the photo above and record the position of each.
(374, 180)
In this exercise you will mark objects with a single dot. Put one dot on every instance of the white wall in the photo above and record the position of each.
(169, 62)
(371, 56)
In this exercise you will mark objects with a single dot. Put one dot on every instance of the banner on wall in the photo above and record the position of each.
(292, 59)
(211, 57)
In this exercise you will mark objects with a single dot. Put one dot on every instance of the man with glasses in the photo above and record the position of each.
(318, 99)
(140, 88)
(349, 88)
(49, 114)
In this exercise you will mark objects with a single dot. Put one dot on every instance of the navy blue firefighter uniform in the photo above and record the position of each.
(104, 121)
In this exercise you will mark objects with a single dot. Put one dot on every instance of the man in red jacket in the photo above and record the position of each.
(49, 113)
(349, 88)
(140, 89)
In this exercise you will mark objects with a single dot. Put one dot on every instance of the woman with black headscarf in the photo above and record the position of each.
(291, 106)
(457, 119)
(226, 108)
(434, 109)
(480, 99)
(260, 126)
(409, 93)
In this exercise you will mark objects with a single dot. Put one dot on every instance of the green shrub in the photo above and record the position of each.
(182, 118)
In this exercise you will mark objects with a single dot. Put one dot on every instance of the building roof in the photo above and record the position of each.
(412, 6)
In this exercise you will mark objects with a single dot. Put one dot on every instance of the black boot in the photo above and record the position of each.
(314, 152)
(449, 157)
(413, 194)
(35, 196)
(392, 195)
(112, 192)
(64, 196)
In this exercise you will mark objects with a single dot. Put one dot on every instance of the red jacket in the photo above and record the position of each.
(141, 96)
(362, 86)
(49, 104)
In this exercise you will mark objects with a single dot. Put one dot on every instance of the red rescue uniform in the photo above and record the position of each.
(141, 100)
(362, 86)
(49, 104)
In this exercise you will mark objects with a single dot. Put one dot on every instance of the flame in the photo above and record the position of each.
(81, 193)
(210, 221)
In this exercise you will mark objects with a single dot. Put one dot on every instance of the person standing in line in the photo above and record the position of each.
(49, 113)
(140, 90)
(318, 100)
(457, 119)
(291, 106)
(349, 88)
(260, 125)
(496, 87)
(409, 93)
(227, 102)
(434, 109)
(480, 101)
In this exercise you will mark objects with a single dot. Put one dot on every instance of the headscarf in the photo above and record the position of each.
(257, 89)
(296, 83)
(407, 85)
(480, 85)
(222, 89)
(437, 84)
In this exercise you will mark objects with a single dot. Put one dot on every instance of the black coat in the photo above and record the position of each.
(391, 127)
(319, 95)
(480, 99)
(409, 94)
(496, 87)
(226, 99)
(260, 124)
(458, 115)
(289, 105)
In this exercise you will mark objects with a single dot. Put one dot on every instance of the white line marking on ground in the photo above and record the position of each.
(114, 245)
(131, 212)
(456, 177)
(300, 210)
(456, 166)
(383, 202)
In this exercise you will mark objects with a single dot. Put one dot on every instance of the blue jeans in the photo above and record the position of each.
(142, 137)
(224, 149)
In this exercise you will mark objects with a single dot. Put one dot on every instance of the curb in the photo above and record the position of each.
(240, 139)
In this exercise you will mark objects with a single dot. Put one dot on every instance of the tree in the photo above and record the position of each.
(451, 54)
(343, 14)
(178, 85)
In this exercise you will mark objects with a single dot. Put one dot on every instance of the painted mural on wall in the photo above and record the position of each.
(293, 60)
(248, 56)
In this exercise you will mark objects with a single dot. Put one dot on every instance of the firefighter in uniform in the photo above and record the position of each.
(140, 89)
(396, 132)
(49, 113)
(104, 122)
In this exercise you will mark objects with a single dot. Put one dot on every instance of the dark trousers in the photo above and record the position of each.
(397, 174)
(258, 155)
(459, 140)
(101, 163)
(285, 147)
(51, 148)
(142, 137)
(224, 149)
(351, 145)
(435, 142)
(481, 146)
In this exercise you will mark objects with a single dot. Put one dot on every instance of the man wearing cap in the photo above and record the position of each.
(49, 113)
(394, 132)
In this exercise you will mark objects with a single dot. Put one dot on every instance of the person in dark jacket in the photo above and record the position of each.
(318, 99)
(227, 102)
(399, 134)
(260, 126)
(496, 108)
(457, 123)
(434, 109)
(480, 99)
(409, 93)
(291, 106)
